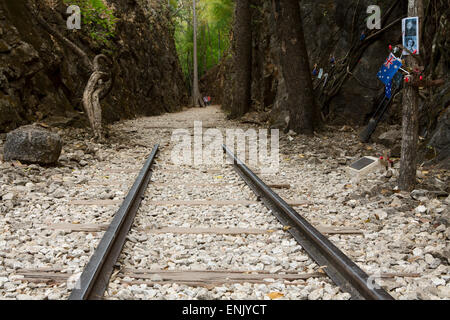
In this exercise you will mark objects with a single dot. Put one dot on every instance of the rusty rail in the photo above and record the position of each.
(343, 271)
(95, 278)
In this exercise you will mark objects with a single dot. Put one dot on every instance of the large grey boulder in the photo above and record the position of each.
(390, 138)
(31, 144)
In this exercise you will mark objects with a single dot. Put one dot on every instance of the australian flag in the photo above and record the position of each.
(388, 90)
(388, 71)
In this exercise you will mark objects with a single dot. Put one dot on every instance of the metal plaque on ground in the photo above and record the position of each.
(364, 165)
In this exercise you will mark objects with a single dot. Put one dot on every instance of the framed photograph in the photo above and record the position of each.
(410, 32)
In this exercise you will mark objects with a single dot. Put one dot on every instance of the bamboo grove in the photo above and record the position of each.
(214, 20)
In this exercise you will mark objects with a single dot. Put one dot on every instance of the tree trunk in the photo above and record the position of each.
(410, 123)
(209, 48)
(190, 70)
(205, 51)
(242, 59)
(295, 67)
(218, 57)
(197, 100)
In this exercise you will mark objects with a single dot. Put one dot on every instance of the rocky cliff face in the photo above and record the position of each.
(333, 28)
(42, 79)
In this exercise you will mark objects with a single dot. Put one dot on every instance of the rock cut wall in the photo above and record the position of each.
(41, 79)
(332, 27)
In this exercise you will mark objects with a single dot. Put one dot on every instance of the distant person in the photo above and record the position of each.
(315, 72)
(209, 100)
(205, 100)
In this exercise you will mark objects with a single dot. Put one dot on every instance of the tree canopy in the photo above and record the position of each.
(214, 25)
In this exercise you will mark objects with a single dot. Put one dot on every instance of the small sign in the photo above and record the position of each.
(364, 165)
(320, 73)
(325, 77)
(410, 32)
(361, 163)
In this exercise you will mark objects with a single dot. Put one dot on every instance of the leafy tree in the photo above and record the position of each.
(98, 18)
(214, 24)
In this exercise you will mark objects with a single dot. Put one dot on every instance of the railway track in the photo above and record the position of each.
(94, 279)
(113, 249)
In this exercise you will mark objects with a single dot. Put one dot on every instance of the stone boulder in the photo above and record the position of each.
(390, 138)
(32, 144)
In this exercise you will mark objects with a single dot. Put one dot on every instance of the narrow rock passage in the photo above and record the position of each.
(191, 241)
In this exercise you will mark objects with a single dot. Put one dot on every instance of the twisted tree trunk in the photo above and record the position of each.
(95, 90)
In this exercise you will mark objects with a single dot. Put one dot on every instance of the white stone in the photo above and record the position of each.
(9, 196)
(352, 203)
(266, 259)
(396, 203)
(381, 214)
(438, 281)
(156, 277)
(54, 296)
(429, 258)
(3, 280)
(316, 294)
(275, 269)
(125, 294)
(444, 291)
(421, 209)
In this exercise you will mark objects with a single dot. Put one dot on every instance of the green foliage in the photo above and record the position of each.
(213, 33)
(222, 12)
(97, 18)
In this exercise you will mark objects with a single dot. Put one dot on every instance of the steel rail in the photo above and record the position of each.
(95, 277)
(343, 271)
